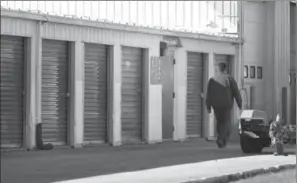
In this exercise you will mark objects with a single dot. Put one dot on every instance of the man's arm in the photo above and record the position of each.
(236, 93)
(208, 103)
(271, 130)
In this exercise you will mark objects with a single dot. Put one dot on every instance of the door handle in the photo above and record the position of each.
(202, 95)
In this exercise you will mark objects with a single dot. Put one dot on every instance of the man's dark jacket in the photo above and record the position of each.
(221, 91)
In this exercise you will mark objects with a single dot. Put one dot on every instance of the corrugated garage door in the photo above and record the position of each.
(55, 63)
(95, 110)
(194, 90)
(223, 59)
(131, 94)
(12, 91)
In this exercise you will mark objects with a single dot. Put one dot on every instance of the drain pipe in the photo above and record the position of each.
(241, 37)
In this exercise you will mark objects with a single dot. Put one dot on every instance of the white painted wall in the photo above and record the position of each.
(267, 44)
(254, 49)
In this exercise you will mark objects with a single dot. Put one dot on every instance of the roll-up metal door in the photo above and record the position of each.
(95, 101)
(194, 94)
(12, 91)
(131, 94)
(55, 64)
(219, 58)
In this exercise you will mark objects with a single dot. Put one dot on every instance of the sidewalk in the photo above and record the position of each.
(67, 164)
(196, 172)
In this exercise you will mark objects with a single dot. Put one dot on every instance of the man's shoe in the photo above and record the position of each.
(224, 144)
(220, 144)
(276, 154)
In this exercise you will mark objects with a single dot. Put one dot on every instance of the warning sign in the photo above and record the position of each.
(156, 71)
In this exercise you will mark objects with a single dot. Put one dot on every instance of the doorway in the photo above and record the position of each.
(167, 91)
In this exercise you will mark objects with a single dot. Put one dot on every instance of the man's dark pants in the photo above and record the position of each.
(223, 116)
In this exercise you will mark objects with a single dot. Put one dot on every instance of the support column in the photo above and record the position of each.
(180, 89)
(153, 100)
(282, 55)
(116, 130)
(38, 71)
(211, 118)
(33, 50)
(147, 136)
(293, 70)
(77, 95)
(238, 67)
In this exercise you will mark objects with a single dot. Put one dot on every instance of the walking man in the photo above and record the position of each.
(221, 91)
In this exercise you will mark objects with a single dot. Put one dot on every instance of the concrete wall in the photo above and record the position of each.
(267, 44)
(269, 60)
(293, 65)
(282, 54)
(37, 27)
(254, 50)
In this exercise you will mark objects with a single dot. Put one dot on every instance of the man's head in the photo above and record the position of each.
(221, 67)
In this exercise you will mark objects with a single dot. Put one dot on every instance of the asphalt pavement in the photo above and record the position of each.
(66, 163)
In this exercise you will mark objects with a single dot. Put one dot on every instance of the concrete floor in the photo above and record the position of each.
(65, 163)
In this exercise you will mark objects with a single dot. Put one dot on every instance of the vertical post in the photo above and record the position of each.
(31, 60)
(295, 64)
(180, 90)
(137, 13)
(110, 95)
(284, 104)
(38, 70)
(117, 91)
(281, 52)
(211, 119)
(167, 15)
(145, 97)
(293, 33)
(77, 97)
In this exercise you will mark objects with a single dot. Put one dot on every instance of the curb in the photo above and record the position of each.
(243, 175)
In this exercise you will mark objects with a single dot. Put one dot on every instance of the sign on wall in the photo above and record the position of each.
(172, 41)
(156, 72)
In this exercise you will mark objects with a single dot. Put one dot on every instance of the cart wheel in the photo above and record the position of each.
(249, 145)
(245, 145)
(257, 148)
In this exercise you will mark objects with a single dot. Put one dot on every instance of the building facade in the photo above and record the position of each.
(93, 82)
(270, 57)
(90, 82)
